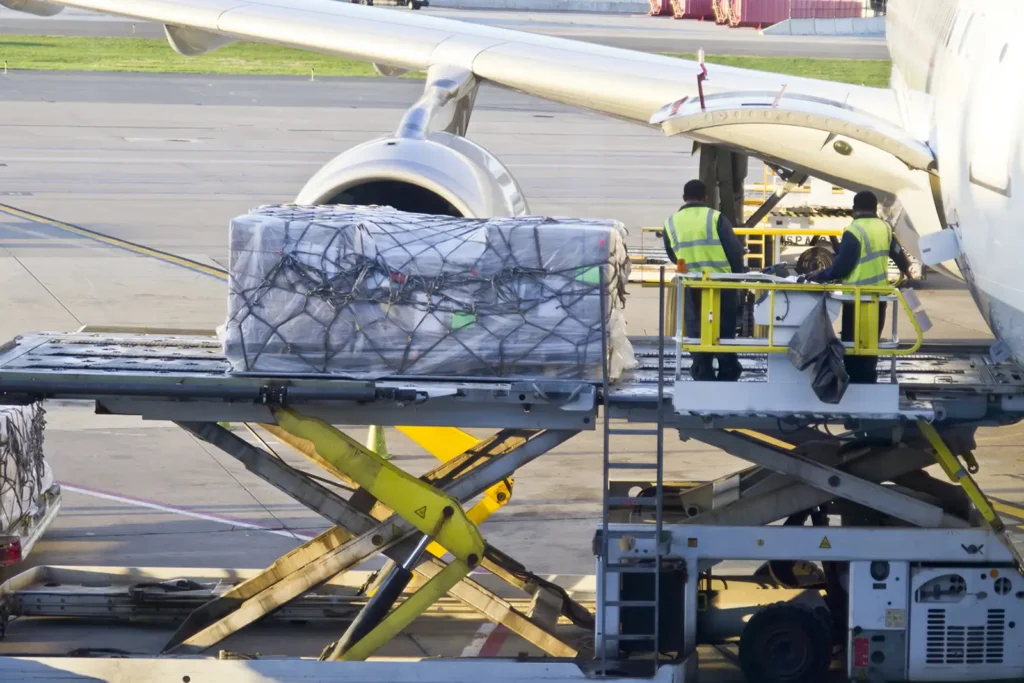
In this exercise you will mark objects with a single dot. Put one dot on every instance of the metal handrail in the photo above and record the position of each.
(774, 232)
(863, 297)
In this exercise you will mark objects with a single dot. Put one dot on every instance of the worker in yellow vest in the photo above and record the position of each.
(704, 239)
(863, 259)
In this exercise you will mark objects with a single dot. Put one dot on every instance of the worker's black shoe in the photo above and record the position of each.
(702, 369)
(729, 368)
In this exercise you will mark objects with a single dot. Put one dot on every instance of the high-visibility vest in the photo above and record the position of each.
(693, 236)
(875, 237)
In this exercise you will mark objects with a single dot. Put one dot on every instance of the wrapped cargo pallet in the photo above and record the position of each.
(24, 474)
(372, 292)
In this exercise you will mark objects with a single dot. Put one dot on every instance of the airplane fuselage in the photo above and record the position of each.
(957, 69)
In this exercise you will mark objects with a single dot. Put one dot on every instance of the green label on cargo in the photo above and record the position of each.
(460, 320)
(589, 274)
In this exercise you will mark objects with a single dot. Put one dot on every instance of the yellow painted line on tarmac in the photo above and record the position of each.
(1009, 509)
(133, 247)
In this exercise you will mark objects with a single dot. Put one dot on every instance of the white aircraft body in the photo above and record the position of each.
(942, 145)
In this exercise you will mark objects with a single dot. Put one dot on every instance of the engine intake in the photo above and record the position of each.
(442, 174)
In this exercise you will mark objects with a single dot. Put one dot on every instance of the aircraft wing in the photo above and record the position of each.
(846, 133)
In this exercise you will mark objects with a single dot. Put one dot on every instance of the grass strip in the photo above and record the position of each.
(148, 55)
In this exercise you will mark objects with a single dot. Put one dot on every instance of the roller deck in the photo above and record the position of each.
(130, 373)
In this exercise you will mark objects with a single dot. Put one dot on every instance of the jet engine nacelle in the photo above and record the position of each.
(40, 8)
(442, 174)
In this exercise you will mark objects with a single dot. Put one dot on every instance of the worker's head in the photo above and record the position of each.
(695, 191)
(865, 202)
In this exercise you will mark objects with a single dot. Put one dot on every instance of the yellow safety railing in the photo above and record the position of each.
(866, 302)
(760, 233)
(790, 232)
(773, 232)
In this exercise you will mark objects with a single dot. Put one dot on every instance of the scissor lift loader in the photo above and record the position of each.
(917, 581)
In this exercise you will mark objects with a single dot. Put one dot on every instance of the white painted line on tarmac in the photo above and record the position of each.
(492, 646)
(487, 641)
(479, 639)
(183, 512)
(497, 637)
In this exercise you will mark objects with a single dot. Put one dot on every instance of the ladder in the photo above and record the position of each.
(610, 635)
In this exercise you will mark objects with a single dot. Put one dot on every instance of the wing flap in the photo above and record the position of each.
(191, 42)
(827, 139)
(768, 109)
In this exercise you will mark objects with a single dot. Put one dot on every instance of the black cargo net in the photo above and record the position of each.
(369, 292)
(22, 468)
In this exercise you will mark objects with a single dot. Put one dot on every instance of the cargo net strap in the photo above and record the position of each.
(24, 476)
(368, 291)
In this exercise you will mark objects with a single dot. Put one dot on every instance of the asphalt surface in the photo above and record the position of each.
(167, 161)
(643, 33)
(344, 94)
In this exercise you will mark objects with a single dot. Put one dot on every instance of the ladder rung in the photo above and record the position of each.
(627, 500)
(630, 603)
(653, 533)
(632, 432)
(628, 636)
(630, 569)
(632, 466)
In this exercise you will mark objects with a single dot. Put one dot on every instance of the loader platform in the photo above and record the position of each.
(182, 377)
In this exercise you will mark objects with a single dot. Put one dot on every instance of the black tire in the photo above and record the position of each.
(416, 4)
(815, 258)
(786, 643)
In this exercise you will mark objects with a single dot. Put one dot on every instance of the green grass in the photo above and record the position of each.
(148, 55)
(871, 72)
(56, 53)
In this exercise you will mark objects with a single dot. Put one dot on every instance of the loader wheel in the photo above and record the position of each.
(786, 643)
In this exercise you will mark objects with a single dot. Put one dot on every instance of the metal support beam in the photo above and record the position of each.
(794, 181)
(279, 474)
(476, 453)
(500, 611)
(951, 497)
(724, 173)
(446, 104)
(207, 625)
(718, 493)
(337, 549)
(778, 496)
(418, 503)
(831, 481)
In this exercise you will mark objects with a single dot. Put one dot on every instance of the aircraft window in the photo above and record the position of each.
(1002, 55)
(963, 38)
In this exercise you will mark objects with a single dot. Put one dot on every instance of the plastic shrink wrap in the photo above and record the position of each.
(24, 474)
(370, 292)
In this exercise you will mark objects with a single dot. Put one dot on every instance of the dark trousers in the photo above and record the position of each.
(861, 369)
(729, 368)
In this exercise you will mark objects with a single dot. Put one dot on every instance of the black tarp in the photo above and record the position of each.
(816, 345)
